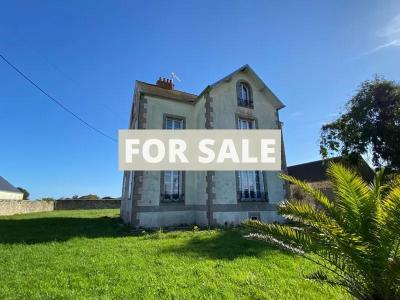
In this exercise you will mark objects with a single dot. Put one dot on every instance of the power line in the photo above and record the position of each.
(56, 101)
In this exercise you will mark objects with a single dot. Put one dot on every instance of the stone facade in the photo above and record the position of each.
(210, 197)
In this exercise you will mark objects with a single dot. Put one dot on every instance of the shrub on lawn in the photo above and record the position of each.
(354, 237)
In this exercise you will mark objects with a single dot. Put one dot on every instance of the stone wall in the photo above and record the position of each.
(324, 186)
(12, 207)
(86, 204)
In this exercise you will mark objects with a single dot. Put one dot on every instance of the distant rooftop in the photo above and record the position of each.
(8, 187)
(316, 170)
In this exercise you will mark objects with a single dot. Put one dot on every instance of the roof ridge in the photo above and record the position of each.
(174, 90)
(316, 161)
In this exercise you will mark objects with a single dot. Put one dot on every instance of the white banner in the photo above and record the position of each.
(197, 150)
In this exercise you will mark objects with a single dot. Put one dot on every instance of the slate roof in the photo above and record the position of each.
(316, 170)
(8, 187)
(152, 89)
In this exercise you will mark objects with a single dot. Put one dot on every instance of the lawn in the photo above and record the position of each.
(89, 254)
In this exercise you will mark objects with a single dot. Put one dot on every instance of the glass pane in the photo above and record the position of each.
(172, 179)
(167, 183)
(171, 123)
(246, 124)
(250, 185)
(244, 93)
(250, 175)
(168, 124)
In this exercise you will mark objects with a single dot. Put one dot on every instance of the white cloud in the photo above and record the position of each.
(392, 29)
(390, 34)
(395, 43)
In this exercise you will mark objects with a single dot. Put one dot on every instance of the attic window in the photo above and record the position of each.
(244, 95)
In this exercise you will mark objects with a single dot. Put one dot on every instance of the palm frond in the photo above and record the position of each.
(318, 196)
(355, 236)
(353, 199)
(289, 238)
(391, 207)
(325, 227)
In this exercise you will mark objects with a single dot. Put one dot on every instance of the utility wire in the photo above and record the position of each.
(56, 101)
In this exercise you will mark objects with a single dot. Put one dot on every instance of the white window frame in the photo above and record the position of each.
(251, 183)
(174, 184)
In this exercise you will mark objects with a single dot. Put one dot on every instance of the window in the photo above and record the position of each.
(254, 216)
(173, 123)
(246, 124)
(172, 186)
(244, 95)
(251, 184)
(172, 181)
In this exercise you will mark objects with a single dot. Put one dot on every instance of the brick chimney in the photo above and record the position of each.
(165, 83)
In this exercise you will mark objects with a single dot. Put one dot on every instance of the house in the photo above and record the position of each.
(314, 173)
(8, 191)
(240, 100)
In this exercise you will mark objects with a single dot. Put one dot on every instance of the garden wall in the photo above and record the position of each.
(12, 207)
(86, 204)
(295, 193)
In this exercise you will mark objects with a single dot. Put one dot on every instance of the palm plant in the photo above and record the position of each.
(355, 237)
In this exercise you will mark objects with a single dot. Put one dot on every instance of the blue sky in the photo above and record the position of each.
(312, 54)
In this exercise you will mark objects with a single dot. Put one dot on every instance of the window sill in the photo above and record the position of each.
(169, 202)
(252, 200)
(246, 106)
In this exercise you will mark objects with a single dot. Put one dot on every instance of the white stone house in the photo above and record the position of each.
(8, 191)
(240, 100)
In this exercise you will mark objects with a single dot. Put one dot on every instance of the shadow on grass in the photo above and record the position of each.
(42, 230)
(225, 244)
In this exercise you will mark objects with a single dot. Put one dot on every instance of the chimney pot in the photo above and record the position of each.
(165, 83)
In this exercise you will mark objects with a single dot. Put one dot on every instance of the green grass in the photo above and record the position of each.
(88, 254)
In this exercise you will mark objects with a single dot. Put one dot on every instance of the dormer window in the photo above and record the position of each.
(244, 95)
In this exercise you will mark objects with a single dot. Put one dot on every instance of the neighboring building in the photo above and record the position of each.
(241, 100)
(314, 172)
(8, 191)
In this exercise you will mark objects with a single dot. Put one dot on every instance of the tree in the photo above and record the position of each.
(370, 124)
(89, 197)
(48, 199)
(355, 237)
(25, 192)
